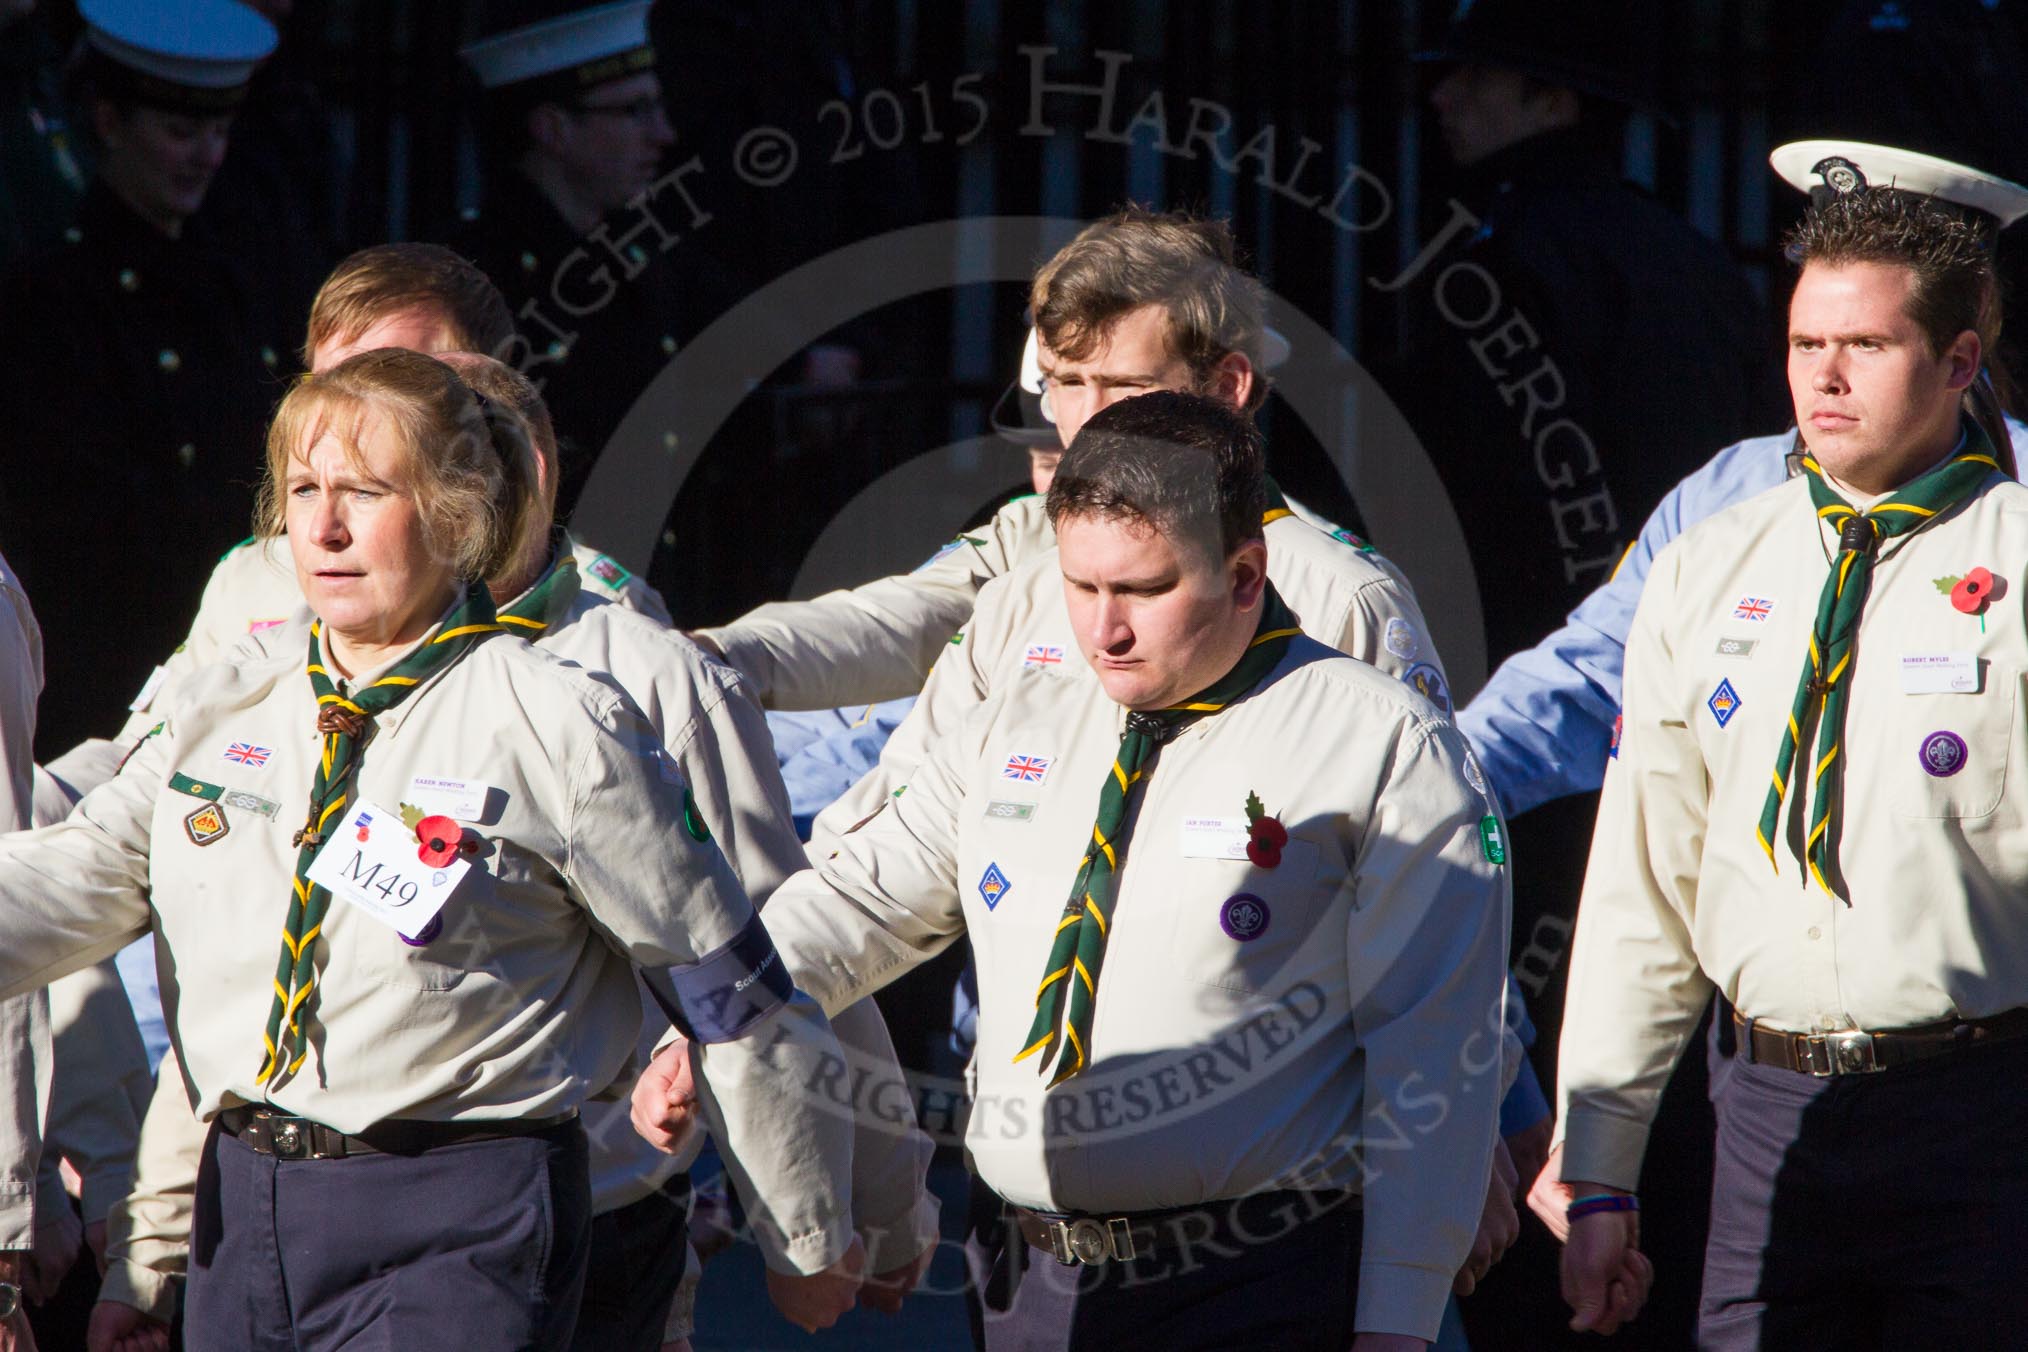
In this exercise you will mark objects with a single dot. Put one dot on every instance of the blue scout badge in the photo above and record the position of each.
(1724, 703)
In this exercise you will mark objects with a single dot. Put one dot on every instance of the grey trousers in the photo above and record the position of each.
(1885, 1211)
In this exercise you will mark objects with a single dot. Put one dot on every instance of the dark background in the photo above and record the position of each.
(401, 109)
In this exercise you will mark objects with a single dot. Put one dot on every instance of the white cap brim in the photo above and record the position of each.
(1799, 163)
(559, 44)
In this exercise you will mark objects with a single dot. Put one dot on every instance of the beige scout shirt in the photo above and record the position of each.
(1679, 896)
(253, 589)
(1350, 599)
(718, 737)
(569, 890)
(24, 1020)
(877, 641)
(1256, 1028)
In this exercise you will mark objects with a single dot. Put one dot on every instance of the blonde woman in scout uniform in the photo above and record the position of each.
(401, 1067)
(1138, 301)
(1236, 907)
(717, 736)
(1809, 813)
(418, 296)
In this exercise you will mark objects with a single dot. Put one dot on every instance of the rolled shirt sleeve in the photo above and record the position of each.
(148, 1231)
(24, 1091)
(877, 641)
(725, 760)
(1636, 990)
(1427, 940)
(667, 910)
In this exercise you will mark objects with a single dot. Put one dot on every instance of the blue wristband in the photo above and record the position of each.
(1604, 1201)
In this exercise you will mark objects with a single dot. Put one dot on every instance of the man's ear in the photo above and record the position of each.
(1232, 380)
(548, 126)
(1246, 571)
(1965, 354)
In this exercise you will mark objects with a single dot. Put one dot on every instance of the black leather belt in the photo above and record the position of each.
(267, 1132)
(1073, 1239)
(1854, 1052)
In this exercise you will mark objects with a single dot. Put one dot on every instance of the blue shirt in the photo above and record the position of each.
(1543, 726)
(824, 752)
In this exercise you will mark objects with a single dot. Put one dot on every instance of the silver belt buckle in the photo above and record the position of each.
(1090, 1241)
(285, 1137)
(1849, 1052)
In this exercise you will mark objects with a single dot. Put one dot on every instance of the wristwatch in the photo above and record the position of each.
(10, 1300)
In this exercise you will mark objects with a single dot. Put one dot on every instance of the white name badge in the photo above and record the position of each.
(1939, 674)
(149, 689)
(1213, 837)
(441, 797)
(371, 862)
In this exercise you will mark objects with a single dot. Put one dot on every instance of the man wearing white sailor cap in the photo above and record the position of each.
(1544, 723)
(1855, 1058)
(578, 223)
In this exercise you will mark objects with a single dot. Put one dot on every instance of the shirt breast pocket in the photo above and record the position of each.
(455, 942)
(1947, 755)
(1239, 927)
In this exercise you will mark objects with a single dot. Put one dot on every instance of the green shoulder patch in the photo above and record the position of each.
(693, 821)
(607, 570)
(1491, 840)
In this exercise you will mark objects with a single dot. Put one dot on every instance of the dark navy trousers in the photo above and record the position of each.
(638, 1253)
(1285, 1279)
(1886, 1211)
(480, 1245)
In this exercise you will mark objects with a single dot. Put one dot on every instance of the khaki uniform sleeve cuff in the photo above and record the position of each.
(807, 1253)
(17, 1216)
(899, 1242)
(1403, 1300)
(129, 1283)
(1601, 1148)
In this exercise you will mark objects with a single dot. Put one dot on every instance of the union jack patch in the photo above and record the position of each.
(1043, 655)
(246, 753)
(1030, 768)
(1754, 608)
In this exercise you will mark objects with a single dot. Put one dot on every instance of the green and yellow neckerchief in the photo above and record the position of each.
(346, 721)
(1827, 668)
(1068, 995)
